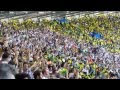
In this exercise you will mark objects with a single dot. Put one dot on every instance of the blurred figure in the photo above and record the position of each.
(7, 71)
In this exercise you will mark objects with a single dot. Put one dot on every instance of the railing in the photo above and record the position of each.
(55, 14)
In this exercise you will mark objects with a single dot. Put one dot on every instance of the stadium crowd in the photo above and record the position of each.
(55, 50)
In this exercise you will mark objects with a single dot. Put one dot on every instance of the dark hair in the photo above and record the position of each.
(6, 49)
(19, 60)
(111, 74)
(1, 43)
(4, 33)
(25, 63)
(49, 66)
(36, 73)
(5, 55)
(43, 71)
(22, 76)
(54, 69)
(63, 63)
(71, 70)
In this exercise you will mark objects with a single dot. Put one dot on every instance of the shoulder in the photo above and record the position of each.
(3, 65)
(13, 69)
(5, 68)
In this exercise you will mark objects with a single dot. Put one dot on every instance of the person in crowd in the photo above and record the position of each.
(7, 71)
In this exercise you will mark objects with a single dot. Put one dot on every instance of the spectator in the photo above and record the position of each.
(7, 71)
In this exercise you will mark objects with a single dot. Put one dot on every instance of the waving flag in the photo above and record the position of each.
(63, 20)
(96, 35)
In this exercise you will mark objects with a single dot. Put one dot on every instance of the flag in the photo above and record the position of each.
(63, 20)
(96, 35)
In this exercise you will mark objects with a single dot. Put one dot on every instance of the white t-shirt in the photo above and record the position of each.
(71, 75)
(43, 77)
(85, 70)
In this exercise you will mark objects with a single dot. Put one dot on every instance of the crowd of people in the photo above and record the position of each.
(54, 50)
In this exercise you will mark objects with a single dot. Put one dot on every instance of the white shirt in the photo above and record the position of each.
(71, 75)
(44, 77)
(4, 62)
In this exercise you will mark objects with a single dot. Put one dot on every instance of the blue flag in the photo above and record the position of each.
(96, 35)
(63, 20)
